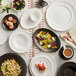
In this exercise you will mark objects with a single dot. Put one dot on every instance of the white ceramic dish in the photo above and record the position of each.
(20, 41)
(26, 21)
(3, 37)
(35, 15)
(49, 62)
(61, 16)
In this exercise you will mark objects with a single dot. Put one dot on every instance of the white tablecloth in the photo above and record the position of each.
(34, 50)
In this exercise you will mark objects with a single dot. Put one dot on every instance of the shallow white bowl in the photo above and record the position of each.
(20, 41)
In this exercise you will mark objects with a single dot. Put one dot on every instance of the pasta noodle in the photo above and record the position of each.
(10, 68)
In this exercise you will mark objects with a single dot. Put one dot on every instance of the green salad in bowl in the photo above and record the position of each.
(18, 4)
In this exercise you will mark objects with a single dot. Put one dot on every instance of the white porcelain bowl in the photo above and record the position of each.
(20, 41)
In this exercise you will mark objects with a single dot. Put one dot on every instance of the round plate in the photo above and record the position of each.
(52, 33)
(26, 21)
(15, 25)
(3, 37)
(67, 69)
(18, 58)
(61, 16)
(20, 41)
(48, 61)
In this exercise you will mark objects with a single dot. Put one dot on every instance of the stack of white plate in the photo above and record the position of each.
(49, 63)
(61, 16)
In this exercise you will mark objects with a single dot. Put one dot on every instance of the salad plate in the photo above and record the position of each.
(18, 59)
(61, 16)
(27, 22)
(48, 61)
(67, 69)
(20, 41)
(46, 40)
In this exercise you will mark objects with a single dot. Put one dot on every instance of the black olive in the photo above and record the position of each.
(42, 3)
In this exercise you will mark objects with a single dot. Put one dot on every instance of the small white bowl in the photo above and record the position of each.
(35, 15)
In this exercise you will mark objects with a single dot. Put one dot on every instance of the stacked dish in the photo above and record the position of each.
(42, 59)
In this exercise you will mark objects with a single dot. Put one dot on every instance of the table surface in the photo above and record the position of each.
(34, 50)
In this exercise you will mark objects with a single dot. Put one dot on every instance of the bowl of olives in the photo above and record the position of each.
(18, 5)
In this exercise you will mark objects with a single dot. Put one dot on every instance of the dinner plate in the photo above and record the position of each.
(18, 58)
(50, 32)
(15, 25)
(67, 69)
(26, 21)
(3, 37)
(47, 60)
(61, 16)
(20, 41)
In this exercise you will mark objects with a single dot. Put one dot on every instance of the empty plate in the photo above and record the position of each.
(3, 37)
(20, 41)
(67, 69)
(61, 16)
(48, 62)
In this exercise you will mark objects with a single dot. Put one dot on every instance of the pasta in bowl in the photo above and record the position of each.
(12, 64)
(10, 68)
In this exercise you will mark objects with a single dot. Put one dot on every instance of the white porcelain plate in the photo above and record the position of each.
(26, 21)
(61, 16)
(3, 37)
(49, 63)
(20, 41)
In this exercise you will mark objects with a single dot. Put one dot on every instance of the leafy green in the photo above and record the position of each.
(6, 68)
(7, 9)
(0, 2)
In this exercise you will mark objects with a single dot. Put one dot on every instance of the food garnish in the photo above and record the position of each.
(46, 40)
(10, 21)
(41, 67)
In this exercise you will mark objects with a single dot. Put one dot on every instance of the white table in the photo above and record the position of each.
(6, 49)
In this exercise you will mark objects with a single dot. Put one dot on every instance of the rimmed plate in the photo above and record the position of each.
(15, 25)
(26, 21)
(18, 58)
(50, 32)
(20, 41)
(48, 61)
(3, 37)
(61, 16)
(67, 69)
